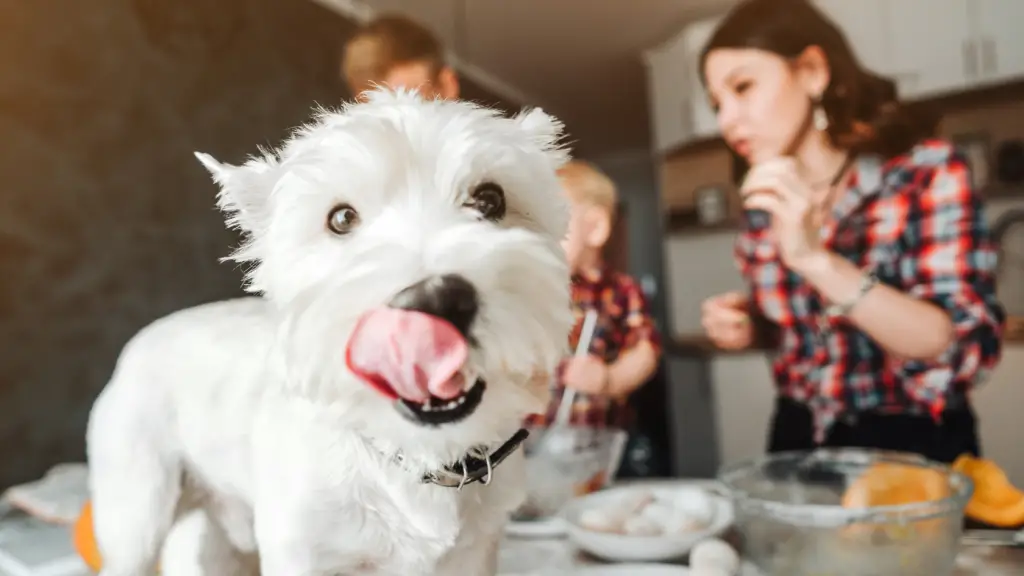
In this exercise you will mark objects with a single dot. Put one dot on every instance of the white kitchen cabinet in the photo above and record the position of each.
(865, 25)
(960, 45)
(1000, 51)
(932, 50)
(876, 32)
(680, 111)
(705, 120)
(667, 89)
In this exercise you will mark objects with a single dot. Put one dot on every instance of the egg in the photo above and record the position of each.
(634, 502)
(641, 526)
(695, 503)
(663, 513)
(600, 520)
(714, 554)
(684, 524)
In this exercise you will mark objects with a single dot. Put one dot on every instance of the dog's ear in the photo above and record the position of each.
(244, 190)
(546, 131)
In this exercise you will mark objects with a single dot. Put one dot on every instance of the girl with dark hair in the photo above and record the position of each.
(868, 256)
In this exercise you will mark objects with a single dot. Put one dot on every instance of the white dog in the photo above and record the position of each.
(356, 419)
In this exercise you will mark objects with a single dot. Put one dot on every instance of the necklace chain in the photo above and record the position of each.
(832, 184)
(833, 180)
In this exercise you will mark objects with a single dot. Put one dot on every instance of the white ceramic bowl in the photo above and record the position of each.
(627, 548)
(633, 570)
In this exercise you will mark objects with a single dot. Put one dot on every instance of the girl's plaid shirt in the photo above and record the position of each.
(916, 223)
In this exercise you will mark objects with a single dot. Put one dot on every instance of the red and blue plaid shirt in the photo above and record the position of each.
(623, 322)
(915, 222)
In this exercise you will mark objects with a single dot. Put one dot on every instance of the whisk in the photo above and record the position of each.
(558, 438)
(582, 349)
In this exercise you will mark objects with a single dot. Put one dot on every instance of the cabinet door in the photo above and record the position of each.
(1001, 46)
(705, 120)
(933, 46)
(667, 94)
(865, 25)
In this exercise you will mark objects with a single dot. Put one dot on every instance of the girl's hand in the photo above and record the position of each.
(727, 322)
(775, 187)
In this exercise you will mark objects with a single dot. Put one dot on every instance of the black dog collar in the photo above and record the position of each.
(473, 468)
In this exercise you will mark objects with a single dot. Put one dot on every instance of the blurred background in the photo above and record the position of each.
(107, 222)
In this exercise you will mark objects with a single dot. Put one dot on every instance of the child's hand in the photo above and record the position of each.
(586, 374)
(727, 322)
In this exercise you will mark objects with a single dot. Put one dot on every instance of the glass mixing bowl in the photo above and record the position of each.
(790, 516)
(563, 462)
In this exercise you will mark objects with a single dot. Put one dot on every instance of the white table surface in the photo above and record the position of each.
(557, 557)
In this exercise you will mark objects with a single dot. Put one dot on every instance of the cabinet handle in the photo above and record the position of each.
(970, 50)
(988, 56)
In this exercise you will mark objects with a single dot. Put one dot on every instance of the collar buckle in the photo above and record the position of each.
(476, 469)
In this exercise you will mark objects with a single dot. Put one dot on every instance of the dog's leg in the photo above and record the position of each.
(135, 483)
(476, 555)
(133, 509)
(286, 548)
(287, 545)
(198, 546)
(234, 519)
(306, 533)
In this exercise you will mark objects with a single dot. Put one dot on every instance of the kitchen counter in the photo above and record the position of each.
(53, 555)
(558, 557)
(553, 557)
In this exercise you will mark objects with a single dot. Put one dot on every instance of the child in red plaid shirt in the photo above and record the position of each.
(624, 350)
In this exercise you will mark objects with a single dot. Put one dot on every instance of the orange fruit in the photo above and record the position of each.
(995, 501)
(888, 484)
(84, 539)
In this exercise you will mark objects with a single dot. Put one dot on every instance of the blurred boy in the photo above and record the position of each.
(396, 52)
(624, 351)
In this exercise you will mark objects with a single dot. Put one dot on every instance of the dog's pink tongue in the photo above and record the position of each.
(410, 354)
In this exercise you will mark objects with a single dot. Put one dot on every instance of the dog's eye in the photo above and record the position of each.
(342, 219)
(489, 200)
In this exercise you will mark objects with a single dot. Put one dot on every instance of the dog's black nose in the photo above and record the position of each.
(449, 297)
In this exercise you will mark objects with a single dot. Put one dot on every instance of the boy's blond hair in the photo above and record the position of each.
(585, 183)
(388, 41)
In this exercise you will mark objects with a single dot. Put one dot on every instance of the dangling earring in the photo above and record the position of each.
(819, 117)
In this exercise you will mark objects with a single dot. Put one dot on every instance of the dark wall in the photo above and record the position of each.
(106, 220)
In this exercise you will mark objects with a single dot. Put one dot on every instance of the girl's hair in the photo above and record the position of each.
(863, 109)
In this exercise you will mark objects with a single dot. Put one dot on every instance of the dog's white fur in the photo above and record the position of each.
(245, 411)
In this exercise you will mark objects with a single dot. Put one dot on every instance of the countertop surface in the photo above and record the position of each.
(553, 557)
(558, 556)
(49, 548)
